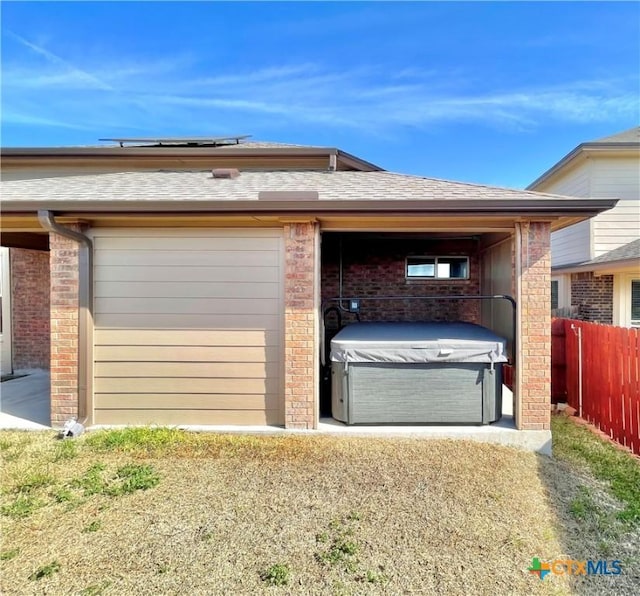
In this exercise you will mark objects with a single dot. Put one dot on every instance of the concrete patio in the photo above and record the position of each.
(24, 402)
(503, 432)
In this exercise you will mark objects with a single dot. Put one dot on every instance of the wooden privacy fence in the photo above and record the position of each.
(558, 362)
(602, 376)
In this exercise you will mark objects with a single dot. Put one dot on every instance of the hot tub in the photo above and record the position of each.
(417, 373)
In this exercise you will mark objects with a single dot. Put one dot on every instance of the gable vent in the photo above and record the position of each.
(225, 173)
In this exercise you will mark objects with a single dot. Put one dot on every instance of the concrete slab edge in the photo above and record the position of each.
(538, 441)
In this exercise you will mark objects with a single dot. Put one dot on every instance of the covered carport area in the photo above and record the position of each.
(25, 389)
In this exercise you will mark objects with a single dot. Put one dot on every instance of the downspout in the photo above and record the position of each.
(85, 312)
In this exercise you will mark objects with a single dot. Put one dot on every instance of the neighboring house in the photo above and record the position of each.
(188, 277)
(596, 263)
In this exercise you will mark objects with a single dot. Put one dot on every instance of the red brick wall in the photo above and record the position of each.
(64, 329)
(376, 267)
(593, 296)
(534, 367)
(300, 315)
(30, 308)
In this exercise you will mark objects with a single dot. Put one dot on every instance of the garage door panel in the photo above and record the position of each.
(187, 337)
(176, 385)
(174, 289)
(185, 416)
(173, 322)
(162, 354)
(198, 401)
(187, 306)
(188, 327)
(187, 274)
(240, 370)
(168, 259)
(187, 243)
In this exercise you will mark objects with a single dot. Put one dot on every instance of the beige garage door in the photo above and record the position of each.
(188, 327)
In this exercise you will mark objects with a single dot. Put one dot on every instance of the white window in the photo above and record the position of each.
(626, 300)
(437, 267)
(561, 293)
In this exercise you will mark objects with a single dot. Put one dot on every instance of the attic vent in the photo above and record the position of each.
(225, 173)
(288, 195)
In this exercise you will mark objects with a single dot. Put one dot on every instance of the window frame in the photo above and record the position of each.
(435, 277)
(564, 290)
(634, 323)
(555, 282)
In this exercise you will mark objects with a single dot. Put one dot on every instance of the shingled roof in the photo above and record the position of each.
(626, 136)
(625, 252)
(177, 186)
(290, 191)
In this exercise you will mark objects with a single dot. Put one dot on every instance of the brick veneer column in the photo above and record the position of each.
(64, 255)
(299, 292)
(535, 340)
(30, 308)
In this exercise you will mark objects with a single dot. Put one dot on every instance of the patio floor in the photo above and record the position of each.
(24, 402)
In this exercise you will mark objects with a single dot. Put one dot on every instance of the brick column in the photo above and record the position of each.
(30, 288)
(534, 366)
(64, 254)
(299, 299)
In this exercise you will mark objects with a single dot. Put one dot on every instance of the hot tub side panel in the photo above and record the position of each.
(397, 393)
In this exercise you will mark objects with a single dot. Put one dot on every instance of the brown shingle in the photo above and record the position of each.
(336, 186)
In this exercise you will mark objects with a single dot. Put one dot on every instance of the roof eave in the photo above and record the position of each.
(521, 208)
(163, 150)
(169, 151)
(581, 151)
(602, 268)
(358, 163)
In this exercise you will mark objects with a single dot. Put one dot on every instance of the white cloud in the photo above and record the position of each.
(31, 119)
(173, 93)
(55, 60)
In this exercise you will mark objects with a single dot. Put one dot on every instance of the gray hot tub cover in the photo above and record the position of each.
(417, 342)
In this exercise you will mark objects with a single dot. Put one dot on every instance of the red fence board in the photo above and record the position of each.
(558, 362)
(606, 360)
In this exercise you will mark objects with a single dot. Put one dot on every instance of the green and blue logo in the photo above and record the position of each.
(574, 567)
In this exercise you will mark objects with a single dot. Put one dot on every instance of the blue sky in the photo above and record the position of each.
(481, 92)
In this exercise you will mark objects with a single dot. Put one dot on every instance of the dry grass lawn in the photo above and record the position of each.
(230, 514)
